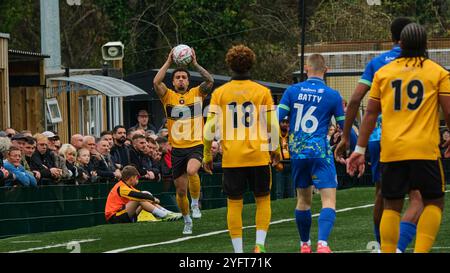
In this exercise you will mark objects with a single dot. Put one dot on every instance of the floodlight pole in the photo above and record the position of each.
(302, 22)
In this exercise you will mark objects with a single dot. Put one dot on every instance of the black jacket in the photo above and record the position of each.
(103, 166)
(120, 155)
(143, 163)
(43, 163)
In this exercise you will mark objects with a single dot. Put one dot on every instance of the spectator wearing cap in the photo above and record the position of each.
(18, 141)
(77, 141)
(54, 144)
(144, 123)
(284, 187)
(43, 160)
(53, 141)
(12, 165)
(120, 153)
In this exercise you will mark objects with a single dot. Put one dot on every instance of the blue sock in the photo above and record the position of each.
(376, 230)
(303, 219)
(407, 233)
(326, 223)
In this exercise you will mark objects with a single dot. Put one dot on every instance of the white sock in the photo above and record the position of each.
(158, 212)
(166, 210)
(237, 245)
(187, 219)
(324, 243)
(398, 251)
(309, 242)
(261, 237)
(194, 202)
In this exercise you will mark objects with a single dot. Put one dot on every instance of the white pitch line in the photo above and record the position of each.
(219, 232)
(53, 246)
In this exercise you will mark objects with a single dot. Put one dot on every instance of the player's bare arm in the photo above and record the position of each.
(158, 84)
(356, 160)
(207, 85)
(350, 116)
(444, 101)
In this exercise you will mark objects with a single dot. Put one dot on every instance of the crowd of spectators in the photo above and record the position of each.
(41, 159)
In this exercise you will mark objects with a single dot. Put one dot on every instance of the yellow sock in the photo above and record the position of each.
(183, 204)
(234, 217)
(263, 212)
(194, 186)
(427, 228)
(389, 230)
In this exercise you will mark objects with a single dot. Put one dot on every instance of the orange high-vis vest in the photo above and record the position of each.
(115, 202)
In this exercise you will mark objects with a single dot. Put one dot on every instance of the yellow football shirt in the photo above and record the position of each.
(184, 117)
(241, 107)
(409, 101)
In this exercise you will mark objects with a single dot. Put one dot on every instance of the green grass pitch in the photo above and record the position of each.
(351, 233)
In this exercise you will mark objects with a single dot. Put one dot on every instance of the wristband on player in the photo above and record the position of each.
(360, 150)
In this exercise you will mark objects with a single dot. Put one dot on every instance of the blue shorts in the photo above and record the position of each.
(374, 152)
(318, 171)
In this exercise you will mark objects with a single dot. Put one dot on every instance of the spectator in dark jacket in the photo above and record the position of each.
(85, 173)
(120, 153)
(103, 164)
(43, 160)
(141, 161)
(69, 153)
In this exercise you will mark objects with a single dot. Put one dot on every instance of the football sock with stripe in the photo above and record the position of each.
(303, 219)
(427, 228)
(326, 222)
(407, 233)
(389, 230)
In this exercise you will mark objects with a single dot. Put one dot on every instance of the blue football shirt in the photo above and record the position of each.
(310, 106)
(373, 66)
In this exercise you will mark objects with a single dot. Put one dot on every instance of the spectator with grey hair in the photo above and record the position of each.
(69, 153)
(5, 143)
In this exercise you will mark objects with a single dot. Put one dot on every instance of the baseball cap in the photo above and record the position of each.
(50, 135)
(19, 137)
